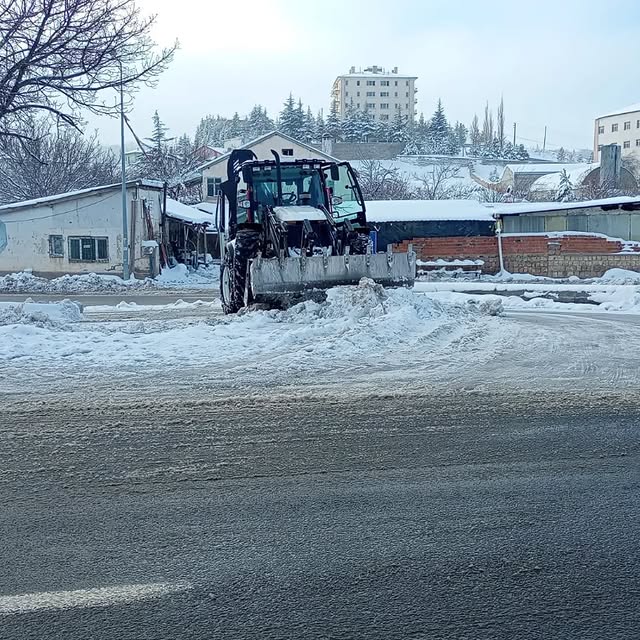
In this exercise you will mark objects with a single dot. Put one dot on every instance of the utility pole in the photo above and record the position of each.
(544, 140)
(514, 133)
(125, 220)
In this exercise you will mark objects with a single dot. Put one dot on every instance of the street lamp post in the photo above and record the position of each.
(125, 219)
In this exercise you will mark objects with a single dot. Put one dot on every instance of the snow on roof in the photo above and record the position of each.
(262, 138)
(516, 208)
(48, 200)
(186, 213)
(551, 181)
(423, 210)
(544, 168)
(207, 207)
(630, 109)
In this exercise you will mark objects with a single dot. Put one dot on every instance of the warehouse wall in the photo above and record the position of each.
(584, 256)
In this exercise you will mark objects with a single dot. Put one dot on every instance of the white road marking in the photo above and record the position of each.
(99, 597)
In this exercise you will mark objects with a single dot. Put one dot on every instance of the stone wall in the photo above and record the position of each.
(584, 256)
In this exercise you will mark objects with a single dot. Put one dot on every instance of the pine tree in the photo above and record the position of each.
(461, 134)
(319, 133)
(561, 155)
(500, 124)
(258, 123)
(288, 120)
(398, 128)
(475, 136)
(422, 131)
(158, 137)
(438, 132)
(565, 188)
(309, 131)
(366, 125)
(487, 126)
(521, 153)
(350, 123)
(333, 126)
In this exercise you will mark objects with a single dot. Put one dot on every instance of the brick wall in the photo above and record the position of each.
(558, 257)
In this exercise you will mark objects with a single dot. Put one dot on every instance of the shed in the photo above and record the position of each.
(613, 217)
(399, 220)
(81, 231)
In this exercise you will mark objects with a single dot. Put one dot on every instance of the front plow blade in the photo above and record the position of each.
(277, 279)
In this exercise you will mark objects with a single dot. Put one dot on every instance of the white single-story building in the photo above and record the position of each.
(81, 231)
(214, 171)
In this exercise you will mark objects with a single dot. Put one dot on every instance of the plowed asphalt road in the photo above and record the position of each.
(292, 515)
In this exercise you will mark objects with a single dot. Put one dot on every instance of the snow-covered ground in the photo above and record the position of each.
(361, 336)
(356, 328)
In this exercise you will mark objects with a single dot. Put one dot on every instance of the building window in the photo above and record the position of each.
(371, 94)
(406, 106)
(371, 83)
(406, 82)
(384, 105)
(384, 94)
(84, 249)
(346, 82)
(396, 95)
(407, 95)
(346, 94)
(371, 105)
(626, 144)
(384, 116)
(358, 105)
(601, 128)
(213, 187)
(627, 125)
(637, 124)
(638, 143)
(358, 94)
(614, 128)
(396, 83)
(358, 83)
(287, 152)
(56, 246)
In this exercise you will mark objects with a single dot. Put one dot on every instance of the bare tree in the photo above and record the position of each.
(59, 159)
(58, 56)
(380, 182)
(435, 184)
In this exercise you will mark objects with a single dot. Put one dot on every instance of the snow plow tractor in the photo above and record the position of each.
(290, 230)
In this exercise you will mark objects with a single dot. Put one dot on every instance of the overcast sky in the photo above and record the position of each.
(559, 65)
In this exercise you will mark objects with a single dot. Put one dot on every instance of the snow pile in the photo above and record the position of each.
(619, 276)
(355, 328)
(45, 315)
(25, 282)
(177, 277)
(182, 276)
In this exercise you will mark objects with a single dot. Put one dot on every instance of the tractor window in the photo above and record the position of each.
(345, 189)
(299, 187)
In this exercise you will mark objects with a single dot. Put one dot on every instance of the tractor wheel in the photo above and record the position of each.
(246, 248)
(226, 283)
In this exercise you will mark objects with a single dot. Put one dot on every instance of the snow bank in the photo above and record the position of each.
(355, 327)
(25, 282)
(177, 277)
(181, 276)
(50, 315)
(619, 276)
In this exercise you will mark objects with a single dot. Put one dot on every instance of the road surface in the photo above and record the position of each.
(492, 503)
